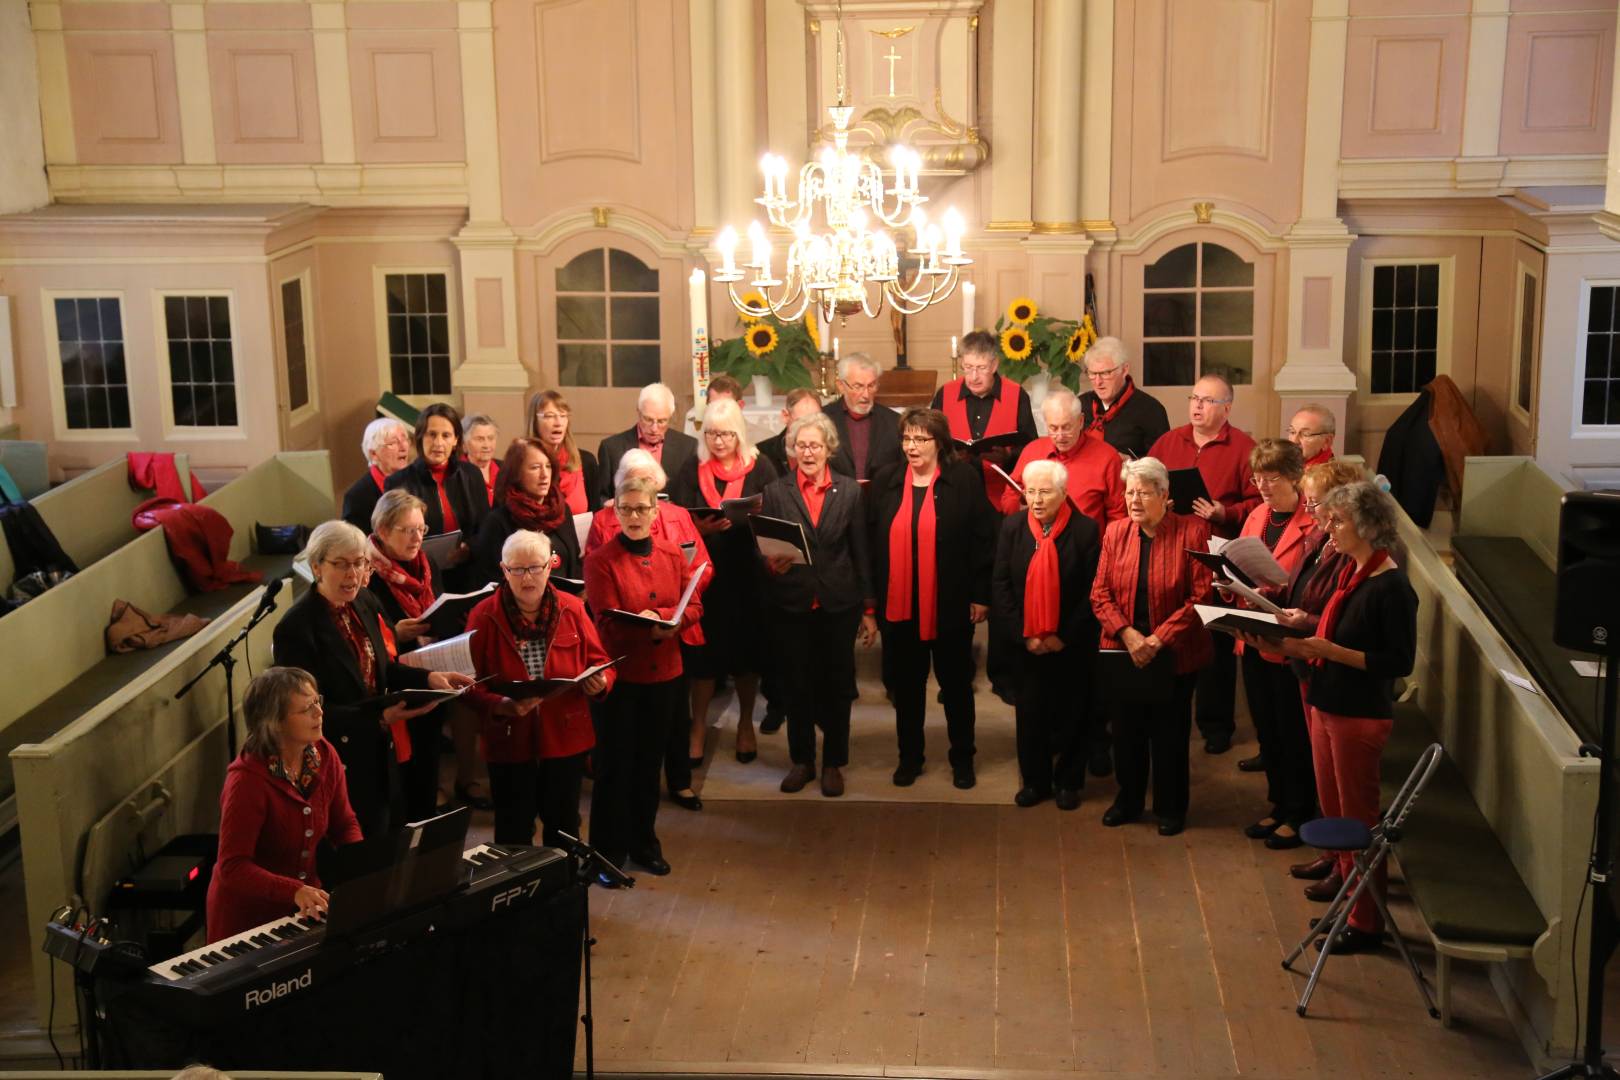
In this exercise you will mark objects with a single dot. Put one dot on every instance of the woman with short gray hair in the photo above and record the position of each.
(386, 446)
(479, 439)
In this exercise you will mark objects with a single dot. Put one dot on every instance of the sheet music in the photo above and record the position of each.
(1250, 555)
(451, 654)
(447, 598)
(1007, 476)
(772, 548)
(1210, 613)
(1250, 595)
(582, 527)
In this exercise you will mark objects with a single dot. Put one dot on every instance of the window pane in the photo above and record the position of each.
(1227, 314)
(1427, 333)
(202, 366)
(1613, 416)
(421, 375)
(440, 366)
(1168, 315)
(67, 320)
(1405, 327)
(1383, 328)
(1527, 340)
(1599, 315)
(113, 354)
(72, 366)
(224, 368)
(1223, 267)
(185, 414)
(1168, 363)
(174, 317)
(582, 274)
(1594, 403)
(581, 317)
(118, 406)
(197, 317)
(438, 301)
(398, 334)
(206, 415)
(78, 414)
(179, 362)
(1405, 286)
(629, 274)
(439, 334)
(219, 316)
(1383, 286)
(395, 284)
(292, 334)
(417, 333)
(90, 360)
(1175, 269)
(399, 370)
(1423, 369)
(89, 320)
(416, 293)
(225, 407)
(1383, 372)
(96, 399)
(582, 365)
(635, 365)
(1428, 284)
(635, 319)
(1233, 360)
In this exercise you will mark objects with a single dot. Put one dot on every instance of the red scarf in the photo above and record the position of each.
(411, 583)
(379, 479)
(710, 471)
(898, 607)
(1043, 588)
(1348, 582)
(540, 515)
(1101, 414)
(439, 472)
(571, 481)
(1003, 421)
(490, 478)
(353, 632)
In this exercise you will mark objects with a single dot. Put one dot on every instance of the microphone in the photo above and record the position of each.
(267, 602)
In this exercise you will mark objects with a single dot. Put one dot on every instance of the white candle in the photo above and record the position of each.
(968, 289)
(823, 325)
(726, 244)
(835, 349)
(953, 345)
(697, 288)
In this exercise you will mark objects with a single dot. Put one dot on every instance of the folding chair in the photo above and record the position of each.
(1372, 847)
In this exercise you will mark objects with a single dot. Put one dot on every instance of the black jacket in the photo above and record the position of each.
(359, 501)
(732, 551)
(775, 448)
(1140, 421)
(840, 572)
(964, 537)
(485, 564)
(679, 448)
(1410, 458)
(468, 494)
(882, 449)
(1078, 548)
(1380, 620)
(307, 638)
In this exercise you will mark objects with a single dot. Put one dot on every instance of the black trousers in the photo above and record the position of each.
(1053, 717)
(818, 653)
(908, 658)
(678, 750)
(632, 733)
(420, 775)
(1217, 691)
(547, 789)
(1279, 723)
(1151, 739)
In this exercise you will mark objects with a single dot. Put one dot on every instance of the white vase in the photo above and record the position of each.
(762, 391)
(1037, 386)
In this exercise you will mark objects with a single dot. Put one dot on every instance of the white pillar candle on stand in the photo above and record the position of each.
(700, 334)
(968, 289)
(823, 328)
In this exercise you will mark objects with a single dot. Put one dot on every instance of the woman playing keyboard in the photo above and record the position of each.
(285, 793)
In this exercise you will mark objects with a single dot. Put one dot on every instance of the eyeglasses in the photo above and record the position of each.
(1265, 480)
(860, 388)
(1310, 505)
(1292, 434)
(409, 530)
(915, 440)
(638, 510)
(1202, 400)
(1039, 493)
(313, 707)
(552, 417)
(977, 369)
(344, 566)
(653, 421)
(808, 447)
(524, 573)
(720, 435)
(1094, 374)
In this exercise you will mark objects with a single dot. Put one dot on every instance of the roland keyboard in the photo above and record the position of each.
(253, 968)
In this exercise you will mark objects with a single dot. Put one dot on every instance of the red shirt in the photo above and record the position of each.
(267, 838)
(1224, 464)
(1095, 488)
(1322, 458)
(673, 523)
(616, 577)
(1175, 583)
(814, 493)
(655, 449)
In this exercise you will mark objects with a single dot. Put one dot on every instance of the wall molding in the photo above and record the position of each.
(1396, 178)
(322, 185)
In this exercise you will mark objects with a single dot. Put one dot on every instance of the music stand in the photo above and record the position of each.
(403, 869)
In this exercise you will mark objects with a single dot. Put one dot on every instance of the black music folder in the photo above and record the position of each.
(1151, 685)
(780, 537)
(680, 609)
(1258, 623)
(988, 442)
(519, 689)
(736, 511)
(1186, 487)
(447, 617)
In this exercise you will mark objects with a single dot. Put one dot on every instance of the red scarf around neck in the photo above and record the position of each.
(1101, 414)
(379, 479)
(710, 471)
(898, 605)
(540, 515)
(572, 486)
(1348, 583)
(1043, 588)
(439, 472)
(411, 583)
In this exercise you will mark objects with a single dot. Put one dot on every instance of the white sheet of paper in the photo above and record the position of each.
(772, 548)
(1216, 543)
(301, 568)
(1250, 595)
(582, 527)
(1250, 554)
(1519, 680)
(451, 654)
(447, 597)
(1209, 613)
(1586, 669)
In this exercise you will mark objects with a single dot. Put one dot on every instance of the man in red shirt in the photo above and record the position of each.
(1093, 466)
(1311, 430)
(1221, 454)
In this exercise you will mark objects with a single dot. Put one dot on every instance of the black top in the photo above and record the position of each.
(485, 564)
(679, 448)
(359, 501)
(463, 485)
(775, 449)
(978, 417)
(1276, 524)
(1380, 620)
(840, 574)
(1137, 425)
(1143, 623)
(964, 535)
(1078, 548)
(882, 446)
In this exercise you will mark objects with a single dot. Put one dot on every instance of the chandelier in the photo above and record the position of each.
(847, 262)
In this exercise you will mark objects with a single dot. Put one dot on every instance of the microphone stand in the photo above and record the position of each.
(225, 658)
(589, 862)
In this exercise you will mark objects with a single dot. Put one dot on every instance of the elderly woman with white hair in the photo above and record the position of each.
(1040, 606)
(1143, 596)
(338, 633)
(819, 609)
(387, 449)
(479, 440)
(535, 746)
(727, 466)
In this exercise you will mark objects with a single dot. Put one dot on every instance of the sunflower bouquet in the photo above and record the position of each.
(1032, 343)
(781, 351)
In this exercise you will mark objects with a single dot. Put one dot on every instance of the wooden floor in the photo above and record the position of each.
(945, 940)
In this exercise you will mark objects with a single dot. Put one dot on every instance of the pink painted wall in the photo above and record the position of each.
(406, 87)
(1404, 86)
(1557, 83)
(125, 107)
(263, 88)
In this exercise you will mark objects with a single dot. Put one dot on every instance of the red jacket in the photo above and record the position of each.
(1224, 464)
(1095, 488)
(616, 577)
(672, 523)
(1175, 583)
(561, 726)
(267, 838)
(1290, 549)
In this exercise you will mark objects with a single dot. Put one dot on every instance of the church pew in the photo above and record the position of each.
(27, 464)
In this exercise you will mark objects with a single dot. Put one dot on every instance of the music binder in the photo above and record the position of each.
(519, 689)
(1186, 487)
(680, 609)
(736, 511)
(988, 442)
(447, 616)
(777, 538)
(440, 546)
(1257, 623)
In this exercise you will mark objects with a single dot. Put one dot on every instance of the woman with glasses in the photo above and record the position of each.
(338, 633)
(285, 794)
(551, 421)
(932, 546)
(727, 466)
(387, 449)
(638, 573)
(820, 610)
(535, 746)
(528, 497)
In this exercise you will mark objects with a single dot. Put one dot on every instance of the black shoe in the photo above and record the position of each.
(1281, 841)
(1029, 796)
(962, 777)
(1217, 744)
(652, 862)
(1351, 940)
(686, 802)
(746, 756)
(905, 775)
(1253, 764)
(1115, 816)
(1171, 826)
(772, 722)
(1068, 798)
(465, 797)
(1101, 763)
(1260, 830)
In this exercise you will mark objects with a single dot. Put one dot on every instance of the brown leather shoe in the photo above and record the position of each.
(797, 777)
(1315, 870)
(1324, 890)
(832, 781)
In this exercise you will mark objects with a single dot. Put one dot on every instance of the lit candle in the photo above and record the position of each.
(968, 289)
(835, 349)
(953, 233)
(700, 333)
(757, 242)
(726, 245)
(953, 345)
(823, 325)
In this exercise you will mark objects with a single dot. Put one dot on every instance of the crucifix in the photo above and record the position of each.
(892, 57)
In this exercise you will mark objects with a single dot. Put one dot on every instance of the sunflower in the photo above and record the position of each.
(1022, 311)
(1077, 345)
(754, 300)
(813, 330)
(760, 338)
(1015, 343)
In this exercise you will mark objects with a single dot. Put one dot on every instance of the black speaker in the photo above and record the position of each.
(1586, 613)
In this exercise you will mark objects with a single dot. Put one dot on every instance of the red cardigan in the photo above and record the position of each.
(267, 838)
(1175, 583)
(561, 727)
(1095, 487)
(616, 577)
(1224, 465)
(672, 523)
(1290, 549)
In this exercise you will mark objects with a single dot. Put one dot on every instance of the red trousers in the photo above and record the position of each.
(1346, 751)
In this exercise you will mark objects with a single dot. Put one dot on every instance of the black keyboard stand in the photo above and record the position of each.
(588, 864)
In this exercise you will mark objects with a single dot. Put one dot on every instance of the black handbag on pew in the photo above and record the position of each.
(279, 539)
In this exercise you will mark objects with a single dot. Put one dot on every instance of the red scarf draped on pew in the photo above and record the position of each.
(1043, 586)
(899, 602)
(710, 471)
(156, 473)
(1347, 585)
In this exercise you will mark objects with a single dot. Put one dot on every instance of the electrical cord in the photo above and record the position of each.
(1580, 905)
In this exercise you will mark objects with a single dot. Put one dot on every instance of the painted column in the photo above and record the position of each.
(1057, 119)
(1609, 220)
(736, 90)
(1480, 165)
(338, 172)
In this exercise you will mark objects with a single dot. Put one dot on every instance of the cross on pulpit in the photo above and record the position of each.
(892, 57)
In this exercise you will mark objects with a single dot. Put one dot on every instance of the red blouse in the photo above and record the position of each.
(1175, 583)
(673, 523)
(616, 577)
(1095, 487)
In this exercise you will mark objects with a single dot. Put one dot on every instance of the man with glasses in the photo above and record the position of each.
(655, 408)
(868, 433)
(982, 404)
(1312, 430)
(1115, 411)
(1221, 454)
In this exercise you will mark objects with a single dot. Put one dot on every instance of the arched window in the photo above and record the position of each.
(607, 320)
(1198, 316)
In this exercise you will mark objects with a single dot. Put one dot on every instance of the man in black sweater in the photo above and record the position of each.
(868, 433)
(652, 432)
(1115, 409)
